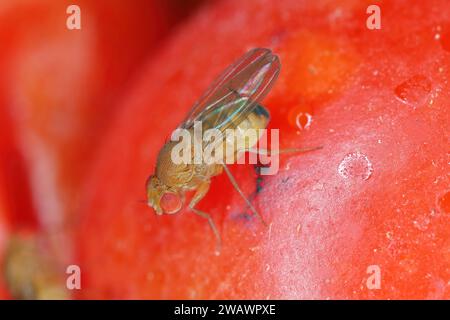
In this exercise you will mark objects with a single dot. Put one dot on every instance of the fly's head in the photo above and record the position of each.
(162, 198)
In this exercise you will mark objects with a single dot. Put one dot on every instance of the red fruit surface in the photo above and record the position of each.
(376, 194)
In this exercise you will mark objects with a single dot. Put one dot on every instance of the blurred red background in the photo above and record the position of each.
(58, 90)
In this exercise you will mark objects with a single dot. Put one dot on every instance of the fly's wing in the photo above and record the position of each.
(236, 92)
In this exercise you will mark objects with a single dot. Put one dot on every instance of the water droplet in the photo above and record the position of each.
(355, 165)
(300, 117)
(414, 91)
(437, 31)
(444, 202)
(303, 120)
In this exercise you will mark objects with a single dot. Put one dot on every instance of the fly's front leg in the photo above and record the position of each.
(199, 194)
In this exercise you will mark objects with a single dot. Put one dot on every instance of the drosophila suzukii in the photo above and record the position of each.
(231, 103)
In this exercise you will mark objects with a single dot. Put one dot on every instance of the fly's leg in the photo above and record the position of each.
(199, 194)
(289, 150)
(236, 186)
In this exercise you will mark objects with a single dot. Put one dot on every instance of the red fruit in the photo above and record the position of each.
(376, 194)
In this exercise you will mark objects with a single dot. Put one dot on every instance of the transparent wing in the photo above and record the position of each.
(236, 92)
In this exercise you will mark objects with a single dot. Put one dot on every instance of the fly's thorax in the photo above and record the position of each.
(203, 172)
(247, 133)
(168, 171)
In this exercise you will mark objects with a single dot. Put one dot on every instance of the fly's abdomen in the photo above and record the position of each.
(262, 112)
(246, 134)
(256, 120)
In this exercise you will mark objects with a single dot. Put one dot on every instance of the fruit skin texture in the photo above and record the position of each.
(378, 99)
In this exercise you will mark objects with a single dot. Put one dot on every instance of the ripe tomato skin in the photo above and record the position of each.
(376, 194)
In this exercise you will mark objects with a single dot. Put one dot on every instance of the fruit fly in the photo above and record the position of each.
(232, 102)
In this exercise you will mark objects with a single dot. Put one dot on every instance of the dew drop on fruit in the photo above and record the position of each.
(300, 117)
(437, 34)
(414, 91)
(355, 165)
(303, 120)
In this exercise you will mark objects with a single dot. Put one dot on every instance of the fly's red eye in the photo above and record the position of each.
(170, 202)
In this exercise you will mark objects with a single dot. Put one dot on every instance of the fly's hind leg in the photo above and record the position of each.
(236, 186)
(199, 194)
